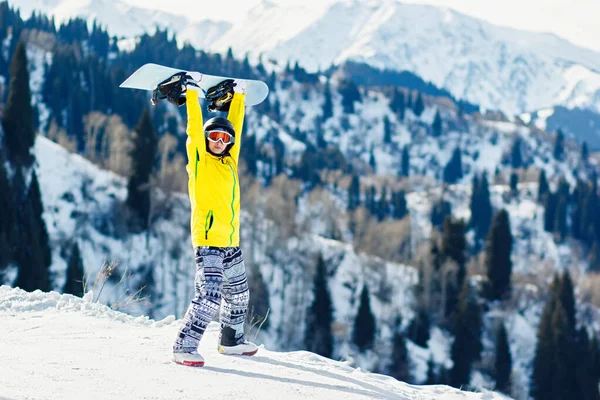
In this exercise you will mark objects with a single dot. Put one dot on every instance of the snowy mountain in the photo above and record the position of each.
(64, 347)
(84, 203)
(496, 67)
(122, 19)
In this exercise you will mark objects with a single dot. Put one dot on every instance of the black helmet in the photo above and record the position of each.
(219, 123)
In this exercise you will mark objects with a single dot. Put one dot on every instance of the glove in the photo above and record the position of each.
(239, 86)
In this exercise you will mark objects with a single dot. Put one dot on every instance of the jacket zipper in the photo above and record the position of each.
(208, 223)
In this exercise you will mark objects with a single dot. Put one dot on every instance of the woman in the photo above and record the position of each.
(213, 152)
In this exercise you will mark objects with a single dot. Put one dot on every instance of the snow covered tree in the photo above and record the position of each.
(318, 335)
(497, 256)
(143, 159)
(364, 324)
(467, 346)
(18, 114)
(75, 273)
(502, 361)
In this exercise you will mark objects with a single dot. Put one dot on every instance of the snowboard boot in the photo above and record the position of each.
(229, 345)
(190, 359)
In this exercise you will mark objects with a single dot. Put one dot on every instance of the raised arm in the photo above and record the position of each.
(195, 130)
(237, 111)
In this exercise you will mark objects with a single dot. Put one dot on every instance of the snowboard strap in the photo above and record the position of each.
(172, 89)
(219, 96)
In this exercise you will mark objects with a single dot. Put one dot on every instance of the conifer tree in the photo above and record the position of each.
(497, 256)
(585, 152)
(431, 378)
(514, 182)
(259, 303)
(400, 208)
(75, 273)
(516, 159)
(502, 361)
(453, 171)
(558, 355)
(18, 115)
(405, 168)
(436, 126)
(419, 330)
(550, 206)
(354, 193)
(466, 348)
(318, 335)
(364, 324)
(33, 255)
(559, 145)
(481, 208)
(399, 366)
(419, 105)
(328, 103)
(454, 246)
(564, 292)
(560, 221)
(439, 211)
(383, 205)
(250, 154)
(143, 158)
(387, 130)
(8, 222)
(350, 94)
(372, 160)
(397, 104)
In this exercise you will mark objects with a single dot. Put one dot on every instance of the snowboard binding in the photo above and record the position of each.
(172, 89)
(219, 96)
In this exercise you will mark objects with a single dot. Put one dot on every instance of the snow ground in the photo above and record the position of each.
(63, 347)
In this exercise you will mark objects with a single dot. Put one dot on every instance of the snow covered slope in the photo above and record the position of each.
(499, 68)
(63, 347)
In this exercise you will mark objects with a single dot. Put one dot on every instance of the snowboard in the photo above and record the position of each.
(148, 76)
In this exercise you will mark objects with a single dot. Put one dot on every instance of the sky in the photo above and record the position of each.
(574, 20)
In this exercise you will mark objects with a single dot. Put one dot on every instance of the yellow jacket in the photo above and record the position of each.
(213, 184)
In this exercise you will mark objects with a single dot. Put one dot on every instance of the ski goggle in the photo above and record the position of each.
(216, 136)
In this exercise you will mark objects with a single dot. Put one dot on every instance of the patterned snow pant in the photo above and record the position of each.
(220, 282)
